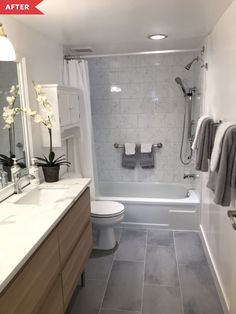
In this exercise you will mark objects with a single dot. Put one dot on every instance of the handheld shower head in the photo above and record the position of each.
(179, 82)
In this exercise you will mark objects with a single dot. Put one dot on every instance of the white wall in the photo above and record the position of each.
(44, 59)
(220, 87)
(149, 109)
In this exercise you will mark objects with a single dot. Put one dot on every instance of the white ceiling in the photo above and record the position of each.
(111, 26)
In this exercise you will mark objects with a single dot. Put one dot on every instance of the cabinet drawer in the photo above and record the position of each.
(29, 288)
(75, 265)
(53, 304)
(72, 225)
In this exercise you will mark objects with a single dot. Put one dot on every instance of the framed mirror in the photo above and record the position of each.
(14, 140)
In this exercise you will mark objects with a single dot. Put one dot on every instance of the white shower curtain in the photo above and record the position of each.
(76, 75)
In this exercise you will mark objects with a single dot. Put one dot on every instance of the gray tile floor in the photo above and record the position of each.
(152, 272)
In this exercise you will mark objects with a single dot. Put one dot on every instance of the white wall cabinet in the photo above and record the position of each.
(65, 103)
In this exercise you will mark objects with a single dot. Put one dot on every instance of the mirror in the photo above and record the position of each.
(11, 139)
(14, 141)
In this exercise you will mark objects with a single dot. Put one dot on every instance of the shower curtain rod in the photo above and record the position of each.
(71, 57)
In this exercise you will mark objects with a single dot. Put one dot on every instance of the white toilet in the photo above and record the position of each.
(104, 216)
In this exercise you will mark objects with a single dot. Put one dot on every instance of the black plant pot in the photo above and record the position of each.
(51, 174)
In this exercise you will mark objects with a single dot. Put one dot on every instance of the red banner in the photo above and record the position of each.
(16, 7)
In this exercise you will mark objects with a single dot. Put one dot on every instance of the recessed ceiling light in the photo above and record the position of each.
(157, 36)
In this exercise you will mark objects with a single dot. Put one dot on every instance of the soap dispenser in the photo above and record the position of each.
(14, 170)
(34, 173)
(3, 178)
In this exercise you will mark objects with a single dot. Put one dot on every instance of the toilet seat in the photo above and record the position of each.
(106, 209)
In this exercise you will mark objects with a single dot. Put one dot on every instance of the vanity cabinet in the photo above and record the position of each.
(65, 103)
(45, 284)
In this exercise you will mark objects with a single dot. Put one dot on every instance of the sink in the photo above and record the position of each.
(42, 196)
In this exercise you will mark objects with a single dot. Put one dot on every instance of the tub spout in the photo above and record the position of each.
(191, 176)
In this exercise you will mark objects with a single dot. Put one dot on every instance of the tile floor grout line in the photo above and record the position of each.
(118, 310)
(144, 272)
(178, 272)
(108, 277)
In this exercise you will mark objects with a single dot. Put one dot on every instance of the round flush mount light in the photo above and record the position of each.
(157, 36)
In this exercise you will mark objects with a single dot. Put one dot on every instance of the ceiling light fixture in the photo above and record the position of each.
(157, 36)
(7, 51)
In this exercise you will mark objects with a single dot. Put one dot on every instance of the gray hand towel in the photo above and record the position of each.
(129, 161)
(147, 160)
(203, 145)
(222, 181)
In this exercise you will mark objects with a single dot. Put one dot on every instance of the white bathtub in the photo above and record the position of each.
(154, 205)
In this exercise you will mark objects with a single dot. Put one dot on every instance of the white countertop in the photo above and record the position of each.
(24, 227)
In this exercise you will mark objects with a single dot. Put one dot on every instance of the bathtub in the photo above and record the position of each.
(154, 205)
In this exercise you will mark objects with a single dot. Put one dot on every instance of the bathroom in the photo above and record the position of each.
(168, 247)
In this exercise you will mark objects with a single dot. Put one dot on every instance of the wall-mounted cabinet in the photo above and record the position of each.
(65, 103)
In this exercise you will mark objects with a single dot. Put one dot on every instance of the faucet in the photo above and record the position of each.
(191, 176)
(19, 179)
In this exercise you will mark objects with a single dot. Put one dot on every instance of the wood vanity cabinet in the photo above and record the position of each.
(45, 284)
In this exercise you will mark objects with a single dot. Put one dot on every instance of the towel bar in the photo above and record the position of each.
(158, 145)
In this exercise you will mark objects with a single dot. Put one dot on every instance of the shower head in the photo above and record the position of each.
(188, 66)
(179, 82)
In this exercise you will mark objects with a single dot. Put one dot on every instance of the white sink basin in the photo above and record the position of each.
(42, 196)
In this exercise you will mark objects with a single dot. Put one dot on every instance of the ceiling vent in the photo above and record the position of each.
(82, 50)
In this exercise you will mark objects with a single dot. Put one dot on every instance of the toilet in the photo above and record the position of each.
(104, 216)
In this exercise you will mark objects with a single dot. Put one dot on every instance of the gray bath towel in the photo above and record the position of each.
(203, 145)
(147, 160)
(222, 181)
(213, 129)
(129, 161)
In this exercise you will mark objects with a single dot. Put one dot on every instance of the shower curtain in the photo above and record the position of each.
(76, 75)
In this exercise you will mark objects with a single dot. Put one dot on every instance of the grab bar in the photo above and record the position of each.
(158, 145)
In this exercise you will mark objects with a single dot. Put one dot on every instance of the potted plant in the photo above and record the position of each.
(51, 164)
(9, 113)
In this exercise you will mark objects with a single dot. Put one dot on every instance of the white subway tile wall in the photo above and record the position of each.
(136, 99)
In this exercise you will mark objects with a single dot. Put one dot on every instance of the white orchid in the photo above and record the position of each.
(38, 118)
(38, 88)
(9, 114)
(46, 107)
(30, 112)
(14, 90)
(10, 100)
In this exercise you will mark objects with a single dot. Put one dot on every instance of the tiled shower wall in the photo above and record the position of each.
(147, 107)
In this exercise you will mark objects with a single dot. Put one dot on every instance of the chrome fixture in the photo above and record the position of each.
(179, 82)
(198, 58)
(191, 176)
(19, 179)
(158, 145)
(188, 66)
(187, 119)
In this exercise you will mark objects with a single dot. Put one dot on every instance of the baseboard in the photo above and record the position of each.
(214, 271)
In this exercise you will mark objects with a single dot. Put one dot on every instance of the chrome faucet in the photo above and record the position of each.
(191, 176)
(19, 179)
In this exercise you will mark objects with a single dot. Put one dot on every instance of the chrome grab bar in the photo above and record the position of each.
(158, 145)
(232, 217)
